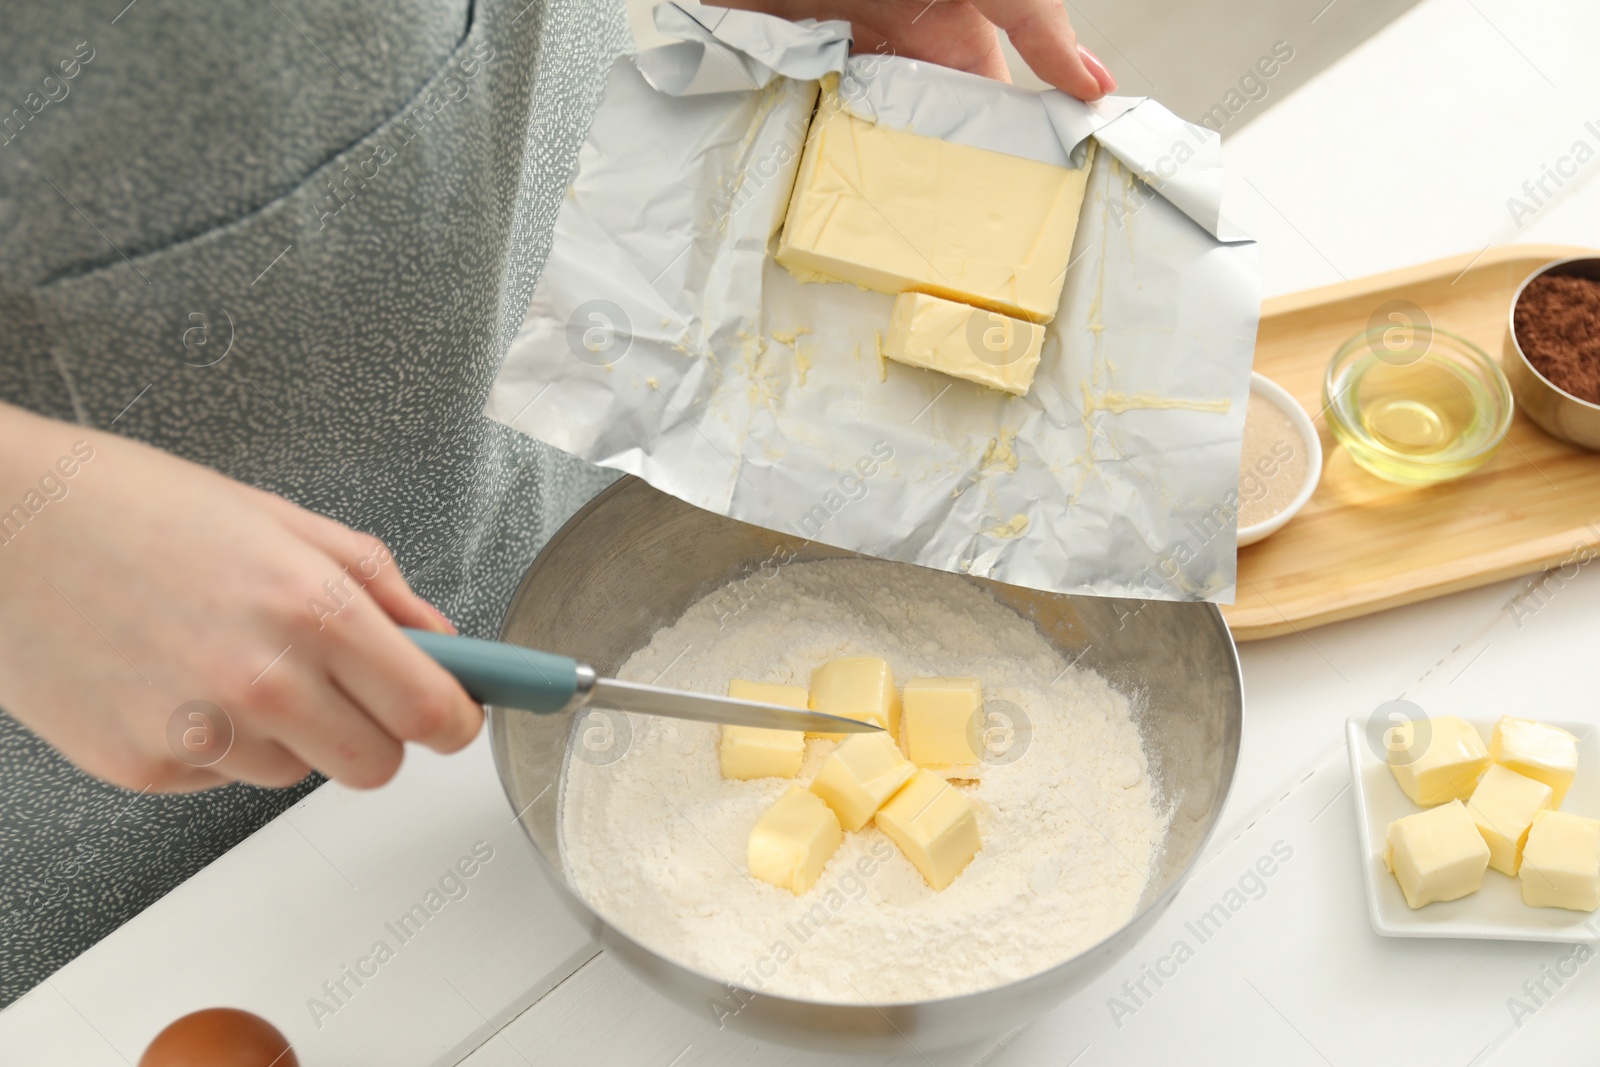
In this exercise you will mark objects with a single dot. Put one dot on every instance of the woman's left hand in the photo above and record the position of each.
(963, 34)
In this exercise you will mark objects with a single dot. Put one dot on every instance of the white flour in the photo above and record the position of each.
(656, 840)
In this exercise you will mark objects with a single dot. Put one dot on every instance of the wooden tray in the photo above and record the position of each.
(1362, 544)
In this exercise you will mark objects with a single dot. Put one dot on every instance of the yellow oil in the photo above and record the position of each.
(1417, 423)
(1424, 409)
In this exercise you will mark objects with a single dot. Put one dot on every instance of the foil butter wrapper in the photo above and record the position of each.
(664, 341)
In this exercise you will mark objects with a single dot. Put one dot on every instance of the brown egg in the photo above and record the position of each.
(219, 1037)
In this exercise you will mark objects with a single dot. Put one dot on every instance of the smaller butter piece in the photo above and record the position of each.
(1536, 750)
(1503, 807)
(859, 775)
(935, 825)
(1436, 854)
(856, 687)
(755, 752)
(1448, 768)
(937, 720)
(1561, 862)
(793, 841)
(962, 341)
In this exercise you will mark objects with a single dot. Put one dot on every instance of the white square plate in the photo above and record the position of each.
(1495, 912)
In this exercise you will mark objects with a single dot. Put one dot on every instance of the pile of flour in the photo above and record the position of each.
(655, 841)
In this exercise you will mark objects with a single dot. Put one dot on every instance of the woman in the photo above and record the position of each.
(258, 266)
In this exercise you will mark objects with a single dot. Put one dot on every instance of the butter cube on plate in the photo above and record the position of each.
(1436, 760)
(1436, 854)
(935, 825)
(755, 752)
(859, 775)
(963, 341)
(1503, 807)
(793, 841)
(896, 211)
(939, 720)
(1561, 862)
(856, 687)
(1536, 750)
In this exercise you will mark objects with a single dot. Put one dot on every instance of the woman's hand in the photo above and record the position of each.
(962, 34)
(139, 582)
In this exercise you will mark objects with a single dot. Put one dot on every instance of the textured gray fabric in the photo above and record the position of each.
(352, 200)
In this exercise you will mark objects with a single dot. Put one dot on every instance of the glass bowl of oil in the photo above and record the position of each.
(1415, 404)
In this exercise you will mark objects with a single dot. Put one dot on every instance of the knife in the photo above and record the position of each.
(510, 676)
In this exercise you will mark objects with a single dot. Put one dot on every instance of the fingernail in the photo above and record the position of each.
(441, 624)
(1108, 84)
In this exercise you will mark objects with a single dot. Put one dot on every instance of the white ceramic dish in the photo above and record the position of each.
(1496, 911)
(1280, 397)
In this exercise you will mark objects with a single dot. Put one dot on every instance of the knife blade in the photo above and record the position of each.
(510, 676)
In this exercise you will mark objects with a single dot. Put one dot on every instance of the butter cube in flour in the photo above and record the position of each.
(755, 752)
(1561, 862)
(792, 842)
(1535, 750)
(856, 687)
(1436, 760)
(1503, 806)
(939, 720)
(1436, 854)
(896, 211)
(858, 776)
(935, 825)
(962, 341)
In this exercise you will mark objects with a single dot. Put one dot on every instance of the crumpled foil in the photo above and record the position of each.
(664, 341)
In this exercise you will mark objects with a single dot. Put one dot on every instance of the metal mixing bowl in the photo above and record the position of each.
(634, 559)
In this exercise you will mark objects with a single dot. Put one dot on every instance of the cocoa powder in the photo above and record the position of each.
(1558, 328)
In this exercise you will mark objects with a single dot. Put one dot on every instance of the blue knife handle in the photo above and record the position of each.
(509, 676)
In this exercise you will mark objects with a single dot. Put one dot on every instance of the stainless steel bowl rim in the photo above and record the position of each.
(1031, 984)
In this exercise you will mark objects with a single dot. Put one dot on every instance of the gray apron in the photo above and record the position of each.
(289, 241)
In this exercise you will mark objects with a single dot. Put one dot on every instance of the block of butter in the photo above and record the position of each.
(1503, 807)
(755, 752)
(1536, 750)
(856, 687)
(793, 841)
(895, 211)
(939, 720)
(1436, 854)
(963, 341)
(859, 775)
(935, 825)
(1436, 760)
(1561, 862)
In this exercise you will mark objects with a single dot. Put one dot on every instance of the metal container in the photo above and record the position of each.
(634, 559)
(1557, 412)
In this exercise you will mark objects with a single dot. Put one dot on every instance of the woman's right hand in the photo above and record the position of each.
(141, 582)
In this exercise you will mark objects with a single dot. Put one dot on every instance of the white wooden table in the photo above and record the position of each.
(1404, 151)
